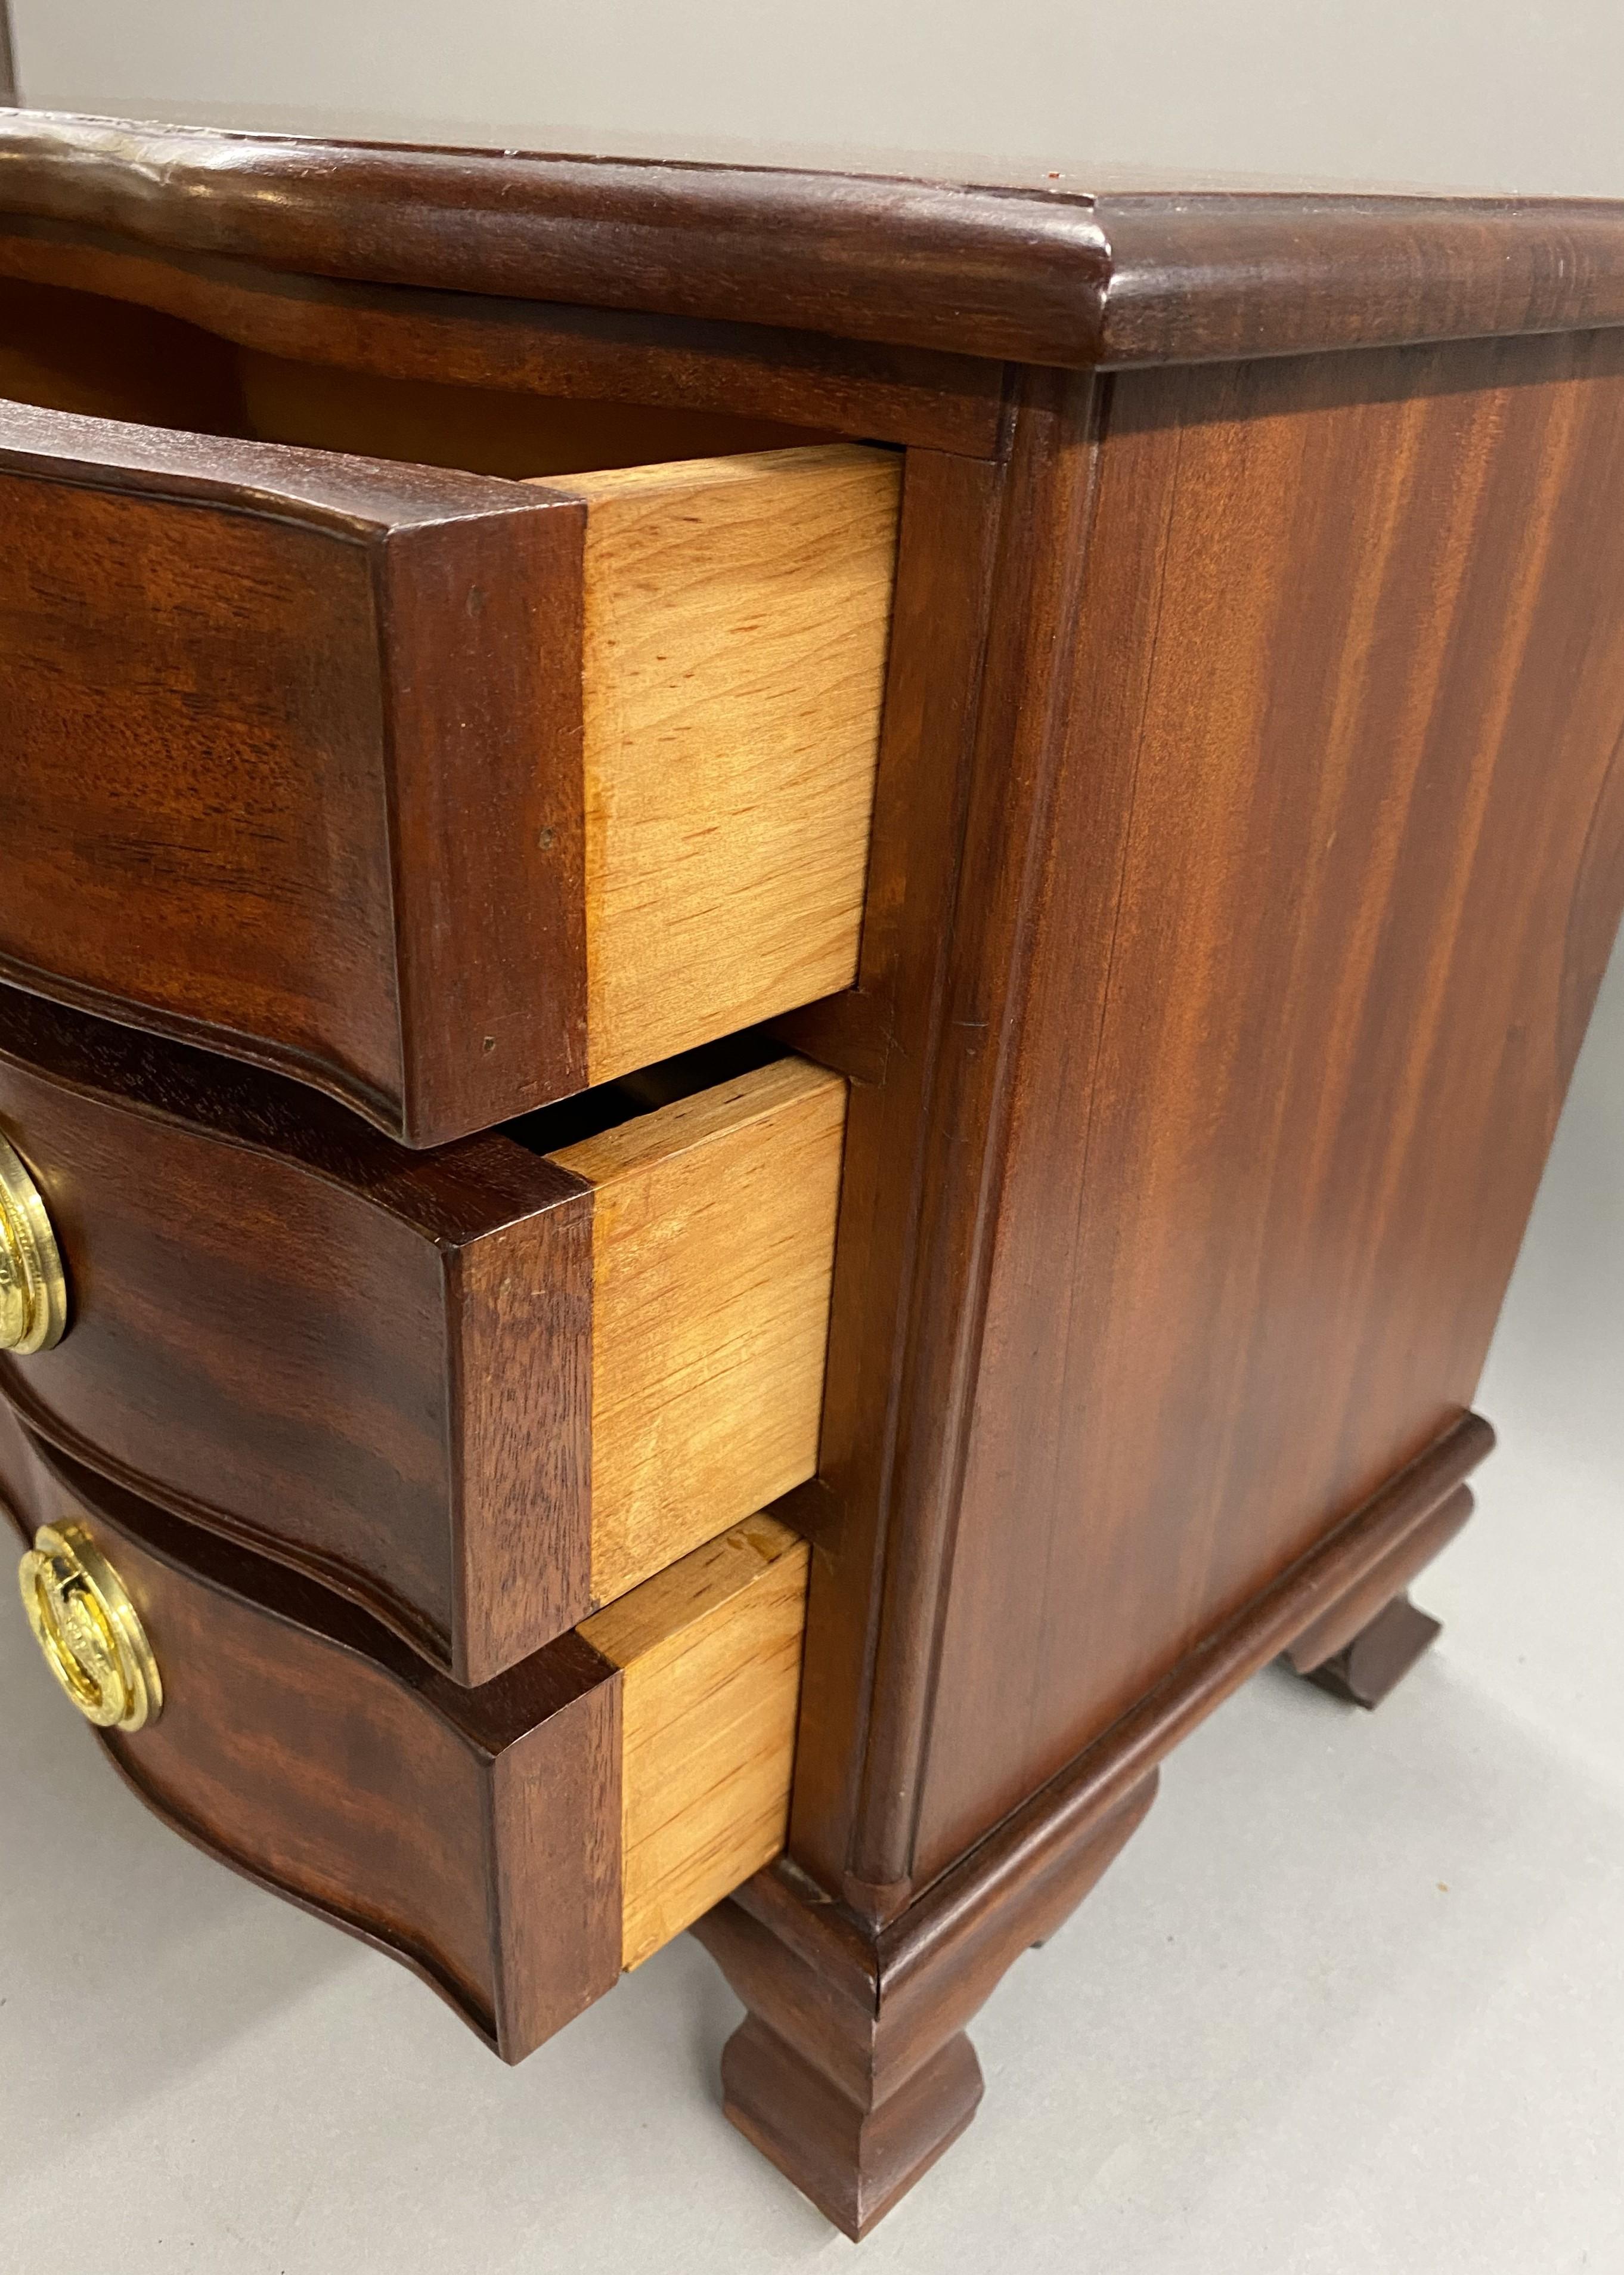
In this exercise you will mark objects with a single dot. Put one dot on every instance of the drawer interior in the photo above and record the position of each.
(72, 350)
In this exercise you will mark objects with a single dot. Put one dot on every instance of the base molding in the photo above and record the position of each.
(852, 2071)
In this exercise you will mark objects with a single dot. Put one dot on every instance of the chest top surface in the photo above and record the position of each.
(1061, 264)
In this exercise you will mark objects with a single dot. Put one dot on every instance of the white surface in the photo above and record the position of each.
(1350, 2004)
(1480, 93)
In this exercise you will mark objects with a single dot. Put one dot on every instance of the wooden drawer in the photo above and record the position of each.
(481, 1391)
(518, 1844)
(448, 794)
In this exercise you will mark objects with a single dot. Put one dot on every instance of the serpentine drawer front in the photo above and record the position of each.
(518, 1844)
(448, 794)
(482, 1391)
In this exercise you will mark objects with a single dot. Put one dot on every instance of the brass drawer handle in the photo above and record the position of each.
(90, 1630)
(33, 1287)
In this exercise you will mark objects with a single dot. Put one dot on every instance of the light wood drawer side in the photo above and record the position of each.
(737, 615)
(713, 1235)
(710, 1659)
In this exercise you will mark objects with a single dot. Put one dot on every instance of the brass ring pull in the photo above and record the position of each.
(90, 1630)
(33, 1287)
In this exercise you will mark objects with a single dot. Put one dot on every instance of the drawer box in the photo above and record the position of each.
(481, 1391)
(516, 1845)
(448, 794)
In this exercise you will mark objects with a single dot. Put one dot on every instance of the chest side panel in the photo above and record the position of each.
(1333, 869)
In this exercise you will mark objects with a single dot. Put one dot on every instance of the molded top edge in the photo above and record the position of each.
(979, 260)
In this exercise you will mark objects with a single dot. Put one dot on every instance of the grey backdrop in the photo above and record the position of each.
(1492, 93)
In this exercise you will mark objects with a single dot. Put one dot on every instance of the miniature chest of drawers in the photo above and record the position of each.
(784, 958)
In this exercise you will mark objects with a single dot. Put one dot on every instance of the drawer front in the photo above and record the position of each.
(447, 795)
(517, 1844)
(480, 1391)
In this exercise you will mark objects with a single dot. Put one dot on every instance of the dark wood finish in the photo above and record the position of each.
(886, 1035)
(1248, 842)
(851, 2070)
(472, 1835)
(1318, 918)
(1366, 1670)
(932, 1374)
(373, 1363)
(241, 805)
(1073, 271)
(111, 360)
(508, 348)
(1338, 1629)
(378, 1365)
(117, 357)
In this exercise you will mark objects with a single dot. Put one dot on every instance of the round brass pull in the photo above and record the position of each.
(33, 1287)
(90, 1630)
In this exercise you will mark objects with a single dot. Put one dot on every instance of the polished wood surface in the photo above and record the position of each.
(710, 1650)
(516, 1844)
(474, 1834)
(889, 1034)
(1246, 842)
(1014, 263)
(1294, 852)
(337, 807)
(851, 2070)
(1325, 894)
(238, 805)
(1339, 1628)
(389, 1368)
(736, 615)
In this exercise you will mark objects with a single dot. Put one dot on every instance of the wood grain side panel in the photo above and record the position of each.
(1303, 999)
(736, 617)
(712, 1251)
(711, 1652)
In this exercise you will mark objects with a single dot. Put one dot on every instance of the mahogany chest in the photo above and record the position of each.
(784, 959)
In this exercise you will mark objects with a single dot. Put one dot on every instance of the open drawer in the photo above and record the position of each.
(481, 1391)
(518, 1845)
(448, 794)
